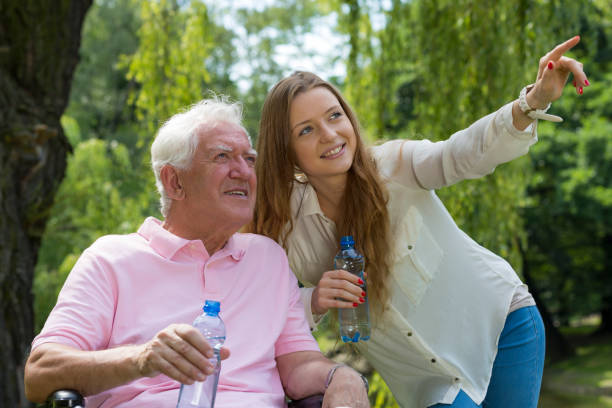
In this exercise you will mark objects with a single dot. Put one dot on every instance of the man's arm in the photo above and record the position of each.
(304, 373)
(179, 351)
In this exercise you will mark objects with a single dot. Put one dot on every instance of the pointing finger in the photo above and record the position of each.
(562, 48)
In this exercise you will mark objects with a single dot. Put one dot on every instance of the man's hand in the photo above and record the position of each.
(179, 351)
(346, 389)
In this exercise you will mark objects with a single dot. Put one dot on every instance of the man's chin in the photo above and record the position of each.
(240, 219)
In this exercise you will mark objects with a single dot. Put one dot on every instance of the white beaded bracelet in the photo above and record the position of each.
(535, 113)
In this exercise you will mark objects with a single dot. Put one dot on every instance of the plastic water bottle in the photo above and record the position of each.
(354, 322)
(202, 394)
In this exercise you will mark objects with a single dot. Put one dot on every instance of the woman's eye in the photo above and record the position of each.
(335, 115)
(304, 131)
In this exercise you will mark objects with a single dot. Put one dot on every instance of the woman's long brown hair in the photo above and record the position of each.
(364, 206)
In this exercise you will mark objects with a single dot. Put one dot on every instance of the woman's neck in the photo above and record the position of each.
(330, 192)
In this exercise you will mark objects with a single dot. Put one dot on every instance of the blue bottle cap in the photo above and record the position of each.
(347, 240)
(212, 307)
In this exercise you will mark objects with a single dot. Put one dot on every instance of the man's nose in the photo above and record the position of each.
(241, 168)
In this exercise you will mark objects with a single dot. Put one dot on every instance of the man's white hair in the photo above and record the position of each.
(177, 139)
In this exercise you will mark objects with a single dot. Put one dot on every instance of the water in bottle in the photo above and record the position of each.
(202, 394)
(354, 322)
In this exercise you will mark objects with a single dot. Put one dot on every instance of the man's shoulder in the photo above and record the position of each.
(116, 244)
(252, 241)
(261, 247)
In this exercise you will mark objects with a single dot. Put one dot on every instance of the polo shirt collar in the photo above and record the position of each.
(167, 244)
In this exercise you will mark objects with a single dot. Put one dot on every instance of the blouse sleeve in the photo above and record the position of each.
(469, 153)
(313, 319)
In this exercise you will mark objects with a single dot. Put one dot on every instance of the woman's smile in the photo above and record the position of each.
(335, 152)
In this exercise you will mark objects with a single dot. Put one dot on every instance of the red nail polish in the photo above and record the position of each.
(363, 294)
(550, 65)
(580, 90)
(586, 82)
(360, 282)
(355, 305)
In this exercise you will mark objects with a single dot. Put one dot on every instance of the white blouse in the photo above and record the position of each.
(449, 295)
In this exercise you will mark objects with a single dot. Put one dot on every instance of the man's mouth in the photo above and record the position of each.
(238, 192)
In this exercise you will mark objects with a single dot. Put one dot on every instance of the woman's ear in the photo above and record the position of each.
(171, 180)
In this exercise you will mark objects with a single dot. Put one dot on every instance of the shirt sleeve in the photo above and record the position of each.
(469, 153)
(295, 335)
(306, 297)
(83, 315)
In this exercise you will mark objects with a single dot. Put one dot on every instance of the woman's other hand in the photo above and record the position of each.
(337, 289)
(553, 72)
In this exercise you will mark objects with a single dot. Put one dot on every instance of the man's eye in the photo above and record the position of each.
(250, 160)
(222, 156)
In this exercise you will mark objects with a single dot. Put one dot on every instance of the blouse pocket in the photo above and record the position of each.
(417, 256)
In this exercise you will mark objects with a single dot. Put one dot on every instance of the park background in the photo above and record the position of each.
(410, 68)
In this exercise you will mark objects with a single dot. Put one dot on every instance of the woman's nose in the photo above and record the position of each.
(327, 133)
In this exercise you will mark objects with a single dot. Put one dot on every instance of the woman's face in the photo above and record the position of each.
(322, 136)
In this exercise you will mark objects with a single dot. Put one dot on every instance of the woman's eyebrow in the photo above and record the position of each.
(308, 120)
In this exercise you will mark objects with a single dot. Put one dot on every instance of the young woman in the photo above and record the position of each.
(452, 323)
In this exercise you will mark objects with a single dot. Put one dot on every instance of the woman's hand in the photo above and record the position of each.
(337, 289)
(553, 72)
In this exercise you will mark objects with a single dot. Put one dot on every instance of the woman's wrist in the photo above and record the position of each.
(533, 99)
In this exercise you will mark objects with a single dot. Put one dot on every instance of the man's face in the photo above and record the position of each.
(220, 184)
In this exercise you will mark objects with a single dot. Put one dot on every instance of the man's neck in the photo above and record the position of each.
(213, 238)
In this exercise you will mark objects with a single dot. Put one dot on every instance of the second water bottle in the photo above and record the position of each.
(354, 322)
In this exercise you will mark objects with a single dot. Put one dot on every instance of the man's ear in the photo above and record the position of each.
(171, 180)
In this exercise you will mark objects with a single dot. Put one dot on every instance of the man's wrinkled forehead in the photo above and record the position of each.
(223, 128)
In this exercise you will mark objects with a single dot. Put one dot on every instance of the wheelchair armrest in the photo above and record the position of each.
(65, 399)
(314, 401)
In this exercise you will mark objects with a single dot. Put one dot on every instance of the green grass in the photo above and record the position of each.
(576, 401)
(583, 381)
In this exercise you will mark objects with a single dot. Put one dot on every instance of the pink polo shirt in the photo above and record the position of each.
(126, 288)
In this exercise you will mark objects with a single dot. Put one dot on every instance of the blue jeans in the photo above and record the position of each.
(518, 367)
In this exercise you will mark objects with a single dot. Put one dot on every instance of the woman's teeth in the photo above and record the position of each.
(332, 152)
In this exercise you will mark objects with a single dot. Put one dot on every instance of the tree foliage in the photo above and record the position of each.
(94, 199)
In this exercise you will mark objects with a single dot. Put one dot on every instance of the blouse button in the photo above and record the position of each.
(433, 360)
(456, 379)
(409, 246)
(409, 334)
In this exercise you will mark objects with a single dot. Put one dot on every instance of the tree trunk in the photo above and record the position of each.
(39, 43)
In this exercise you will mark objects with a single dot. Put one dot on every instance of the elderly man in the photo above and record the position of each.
(120, 332)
